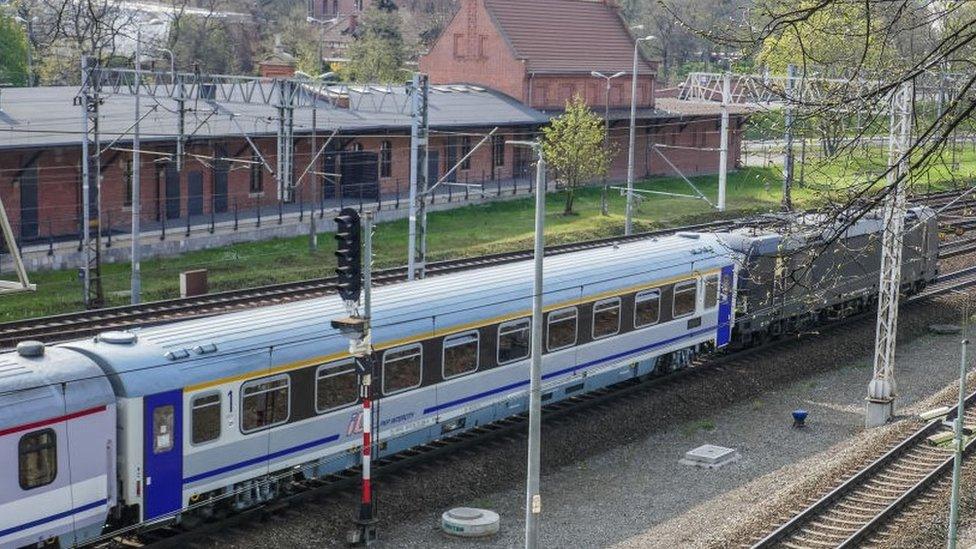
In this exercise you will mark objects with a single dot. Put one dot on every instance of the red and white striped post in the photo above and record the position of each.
(366, 503)
(366, 532)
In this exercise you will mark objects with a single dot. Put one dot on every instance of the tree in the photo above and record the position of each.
(573, 147)
(13, 52)
(379, 53)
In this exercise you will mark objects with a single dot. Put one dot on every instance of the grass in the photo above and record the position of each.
(696, 426)
(468, 231)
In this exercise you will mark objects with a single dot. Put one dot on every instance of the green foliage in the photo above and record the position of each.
(206, 42)
(379, 53)
(13, 51)
(574, 149)
(836, 39)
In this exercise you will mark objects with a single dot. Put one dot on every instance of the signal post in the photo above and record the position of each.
(353, 269)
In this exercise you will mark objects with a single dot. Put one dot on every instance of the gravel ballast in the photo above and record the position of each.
(611, 475)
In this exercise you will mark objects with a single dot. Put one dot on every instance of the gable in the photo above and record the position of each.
(566, 36)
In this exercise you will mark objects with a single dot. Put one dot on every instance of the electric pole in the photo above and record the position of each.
(723, 157)
(417, 217)
(135, 285)
(882, 389)
(787, 203)
(533, 499)
(89, 99)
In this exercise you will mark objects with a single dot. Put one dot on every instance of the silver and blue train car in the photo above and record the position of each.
(222, 413)
(57, 447)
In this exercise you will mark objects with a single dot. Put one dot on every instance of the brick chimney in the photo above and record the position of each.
(280, 64)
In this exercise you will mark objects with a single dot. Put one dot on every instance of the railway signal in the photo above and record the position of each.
(349, 267)
(354, 266)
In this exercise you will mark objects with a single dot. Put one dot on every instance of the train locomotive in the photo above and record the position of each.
(198, 418)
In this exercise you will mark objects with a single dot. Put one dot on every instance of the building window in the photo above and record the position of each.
(647, 308)
(264, 403)
(127, 177)
(514, 339)
(37, 458)
(357, 147)
(257, 174)
(336, 385)
(205, 418)
(465, 151)
(459, 46)
(561, 332)
(685, 296)
(606, 317)
(386, 159)
(460, 354)
(402, 368)
(498, 150)
(711, 291)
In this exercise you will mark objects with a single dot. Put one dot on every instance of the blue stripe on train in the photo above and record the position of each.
(476, 396)
(53, 518)
(259, 459)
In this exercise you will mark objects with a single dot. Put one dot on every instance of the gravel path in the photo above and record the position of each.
(611, 475)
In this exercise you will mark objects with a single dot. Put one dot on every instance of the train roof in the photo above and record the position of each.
(786, 232)
(31, 387)
(197, 351)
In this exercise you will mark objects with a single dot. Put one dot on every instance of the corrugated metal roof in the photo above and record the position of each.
(566, 35)
(47, 116)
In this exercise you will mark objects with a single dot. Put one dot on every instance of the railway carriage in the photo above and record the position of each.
(219, 414)
(799, 271)
(57, 447)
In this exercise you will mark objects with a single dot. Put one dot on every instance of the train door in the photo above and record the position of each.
(726, 293)
(163, 453)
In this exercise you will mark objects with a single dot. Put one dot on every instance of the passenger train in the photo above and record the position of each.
(197, 418)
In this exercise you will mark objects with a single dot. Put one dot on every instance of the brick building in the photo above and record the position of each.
(495, 65)
(543, 52)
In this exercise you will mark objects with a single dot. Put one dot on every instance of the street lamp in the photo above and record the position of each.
(629, 222)
(606, 126)
(29, 26)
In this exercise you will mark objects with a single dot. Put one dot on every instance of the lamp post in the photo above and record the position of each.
(29, 27)
(629, 221)
(533, 499)
(606, 125)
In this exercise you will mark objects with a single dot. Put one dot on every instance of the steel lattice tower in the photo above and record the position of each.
(882, 389)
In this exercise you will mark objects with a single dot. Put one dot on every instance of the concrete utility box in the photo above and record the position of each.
(193, 283)
(709, 456)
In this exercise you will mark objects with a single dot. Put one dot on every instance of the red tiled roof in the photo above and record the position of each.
(566, 35)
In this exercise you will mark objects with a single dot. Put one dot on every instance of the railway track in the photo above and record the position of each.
(164, 536)
(85, 323)
(852, 514)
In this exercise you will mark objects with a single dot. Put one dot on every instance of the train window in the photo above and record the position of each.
(647, 308)
(163, 429)
(711, 291)
(37, 458)
(685, 298)
(606, 317)
(514, 340)
(561, 331)
(336, 385)
(264, 403)
(402, 368)
(460, 354)
(205, 418)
